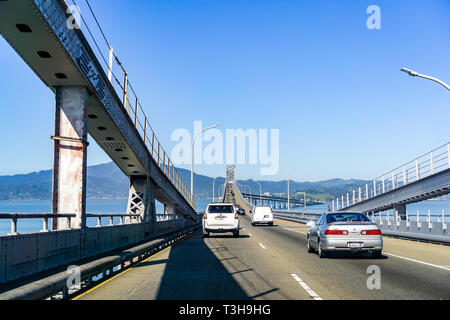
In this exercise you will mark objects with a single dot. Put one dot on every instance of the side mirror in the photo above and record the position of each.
(310, 224)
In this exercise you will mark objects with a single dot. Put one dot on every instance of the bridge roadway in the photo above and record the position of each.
(260, 264)
(257, 197)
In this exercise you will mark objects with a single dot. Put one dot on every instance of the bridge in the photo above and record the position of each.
(86, 102)
(164, 256)
(278, 202)
(423, 178)
(272, 263)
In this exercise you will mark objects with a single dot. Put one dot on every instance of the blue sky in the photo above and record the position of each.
(309, 68)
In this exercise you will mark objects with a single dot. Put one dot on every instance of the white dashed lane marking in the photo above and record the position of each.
(311, 293)
(261, 245)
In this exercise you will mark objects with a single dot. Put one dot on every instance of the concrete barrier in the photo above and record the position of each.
(27, 254)
(52, 284)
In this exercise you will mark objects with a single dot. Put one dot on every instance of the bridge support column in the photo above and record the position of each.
(70, 156)
(141, 199)
(169, 209)
(400, 210)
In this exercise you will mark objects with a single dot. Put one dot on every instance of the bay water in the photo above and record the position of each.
(119, 206)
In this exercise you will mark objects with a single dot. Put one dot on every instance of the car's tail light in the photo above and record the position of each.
(236, 216)
(370, 232)
(205, 216)
(336, 232)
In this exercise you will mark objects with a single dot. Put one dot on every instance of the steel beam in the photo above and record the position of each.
(400, 211)
(141, 199)
(429, 187)
(170, 209)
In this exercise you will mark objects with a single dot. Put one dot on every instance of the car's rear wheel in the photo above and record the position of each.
(271, 224)
(205, 234)
(236, 234)
(322, 254)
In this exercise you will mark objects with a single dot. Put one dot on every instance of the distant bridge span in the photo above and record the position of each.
(424, 178)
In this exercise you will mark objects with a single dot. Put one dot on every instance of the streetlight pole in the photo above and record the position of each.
(242, 185)
(304, 201)
(192, 158)
(260, 192)
(415, 74)
(214, 181)
(221, 188)
(288, 191)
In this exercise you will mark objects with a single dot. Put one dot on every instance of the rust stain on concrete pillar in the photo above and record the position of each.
(70, 154)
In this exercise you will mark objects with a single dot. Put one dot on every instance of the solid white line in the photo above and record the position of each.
(295, 230)
(261, 245)
(311, 293)
(418, 261)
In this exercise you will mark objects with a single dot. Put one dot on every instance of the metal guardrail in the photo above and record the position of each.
(440, 221)
(418, 216)
(426, 165)
(280, 199)
(14, 217)
(57, 287)
(298, 216)
(167, 217)
(433, 231)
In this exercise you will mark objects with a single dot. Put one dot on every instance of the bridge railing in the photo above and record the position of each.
(428, 218)
(133, 107)
(417, 226)
(298, 216)
(15, 217)
(142, 124)
(426, 165)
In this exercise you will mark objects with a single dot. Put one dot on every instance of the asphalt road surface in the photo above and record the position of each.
(272, 263)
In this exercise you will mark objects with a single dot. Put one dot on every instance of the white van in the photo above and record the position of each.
(262, 215)
(219, 218)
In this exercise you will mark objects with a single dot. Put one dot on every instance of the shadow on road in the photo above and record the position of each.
(193, 272)
(354, 255)
(227, 236)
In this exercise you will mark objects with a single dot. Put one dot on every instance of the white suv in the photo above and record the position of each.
(219, 218)
(263, 215)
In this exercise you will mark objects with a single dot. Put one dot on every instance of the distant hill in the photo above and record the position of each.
(106, 181)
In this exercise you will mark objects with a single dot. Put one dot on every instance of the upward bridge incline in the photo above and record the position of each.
(423, 178)
(87, 102)
(64, 60)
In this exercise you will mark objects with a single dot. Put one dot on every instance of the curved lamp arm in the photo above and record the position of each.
(415, 74)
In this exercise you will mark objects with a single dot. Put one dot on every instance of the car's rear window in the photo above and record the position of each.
(345, 217)
(263, 210)
(220, 209)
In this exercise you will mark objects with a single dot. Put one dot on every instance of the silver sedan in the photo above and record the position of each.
(344, 231)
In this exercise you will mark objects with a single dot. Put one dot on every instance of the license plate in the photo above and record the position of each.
(354, 245)
(266, 216)
(219, 218)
